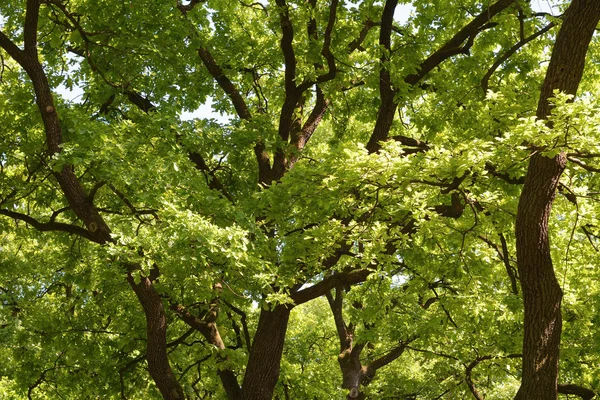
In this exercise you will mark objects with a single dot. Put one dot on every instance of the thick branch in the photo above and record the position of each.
(313, 120)
(356, 43)
(13, 50)
(300, 137)
(156, 338)
(330, 282)
(70, 185)
(241, 108)
(387, 109)
(208, 328)
(582, 164)
(188, 7)
(287, 48)
(326, 50)
(419, 146)
(454, 45)
(385, 41)
(335, 304)
(584, 393)
(387, 358)
(50, 226)
(217, 73)
(31, 22)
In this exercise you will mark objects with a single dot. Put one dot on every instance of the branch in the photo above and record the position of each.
(287, 47)
(293, 99)
(31, 22)
(326, 50)
(387, 358)
(419, 146)
(51, 226)
(299, 138)
(387, 109)
(211, 178)
(455, 46)
(503, 255)
(262, 157)
(156, 336)
(293, 95)
(491, 169)
(335, 304)
(590, 237)
(13, 50)
(243, 319)
(223, 81)
(385, 41)
(584, 393)
(486, 78)
(469, 368)
(70, 185)
(330, 282)
(256, 4)
(356, 43)
(208, 328)
(314, 119)
(583, 165)
(140, 101)
(188, 7)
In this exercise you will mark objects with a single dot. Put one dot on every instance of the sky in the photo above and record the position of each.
(401, 16)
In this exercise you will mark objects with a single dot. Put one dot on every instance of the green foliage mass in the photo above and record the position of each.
(70, 325)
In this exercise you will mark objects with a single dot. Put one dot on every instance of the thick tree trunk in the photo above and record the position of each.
(262, 371)
(156, 340)
(542, 294)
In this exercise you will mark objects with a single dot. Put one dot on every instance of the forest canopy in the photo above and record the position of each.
(390, 208)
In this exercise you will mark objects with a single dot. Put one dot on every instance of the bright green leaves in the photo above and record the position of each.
(430, 215)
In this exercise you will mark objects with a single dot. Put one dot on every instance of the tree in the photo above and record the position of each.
(373, 163)
(541, 290)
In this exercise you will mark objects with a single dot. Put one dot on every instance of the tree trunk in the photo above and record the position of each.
(542, 294)
(156, 339)
(262, 371)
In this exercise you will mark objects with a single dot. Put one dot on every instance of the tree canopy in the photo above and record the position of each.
(389, 209)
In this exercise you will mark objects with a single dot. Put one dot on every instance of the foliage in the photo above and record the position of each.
(428, 215)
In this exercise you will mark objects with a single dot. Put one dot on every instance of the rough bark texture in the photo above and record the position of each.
(262, 370)
(387, 109)
(541, 292)
(156, 346)
(81, 202)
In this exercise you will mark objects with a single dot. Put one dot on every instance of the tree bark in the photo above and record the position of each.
(156, 341)
(542, 294)
(262, 370)
(207, 326)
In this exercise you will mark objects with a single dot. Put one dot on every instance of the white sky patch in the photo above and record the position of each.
(402, 13)
(549, 6)
(74, 96)
(205, 111)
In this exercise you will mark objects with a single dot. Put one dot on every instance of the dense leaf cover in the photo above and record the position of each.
(346, 229)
